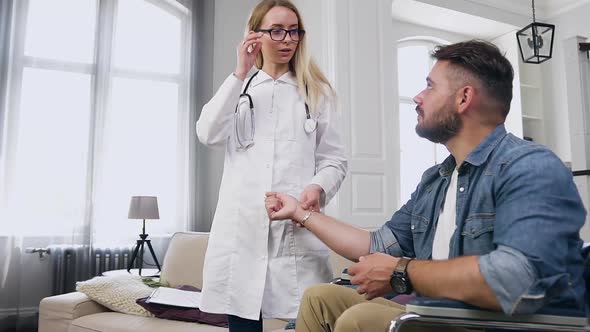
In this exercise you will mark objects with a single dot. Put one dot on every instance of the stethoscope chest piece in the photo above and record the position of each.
(310, 125)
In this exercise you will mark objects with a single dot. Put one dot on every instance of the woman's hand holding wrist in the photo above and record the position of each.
(299, 214)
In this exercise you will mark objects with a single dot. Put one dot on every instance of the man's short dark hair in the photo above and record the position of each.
(485, 62)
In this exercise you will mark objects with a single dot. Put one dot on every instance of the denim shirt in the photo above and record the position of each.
(517, 209)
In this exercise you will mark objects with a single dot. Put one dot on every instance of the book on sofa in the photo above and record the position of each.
(175, 297)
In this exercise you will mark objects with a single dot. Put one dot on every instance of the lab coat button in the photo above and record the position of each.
(267, 165)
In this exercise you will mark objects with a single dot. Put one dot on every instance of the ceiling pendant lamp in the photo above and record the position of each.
(535, 41)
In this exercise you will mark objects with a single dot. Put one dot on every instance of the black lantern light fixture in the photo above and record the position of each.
(536, 41)
(585, 47)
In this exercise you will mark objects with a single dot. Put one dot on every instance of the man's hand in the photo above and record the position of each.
(310, 197)
(280, 206)
(272, 204)
(372, 274)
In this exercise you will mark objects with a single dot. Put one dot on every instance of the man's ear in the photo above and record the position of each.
(465, 98)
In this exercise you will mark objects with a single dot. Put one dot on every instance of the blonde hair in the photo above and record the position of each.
(306, 71)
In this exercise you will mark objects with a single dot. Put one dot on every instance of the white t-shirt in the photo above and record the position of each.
(446, 221)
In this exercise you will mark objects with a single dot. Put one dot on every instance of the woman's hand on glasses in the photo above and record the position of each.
(247, 51)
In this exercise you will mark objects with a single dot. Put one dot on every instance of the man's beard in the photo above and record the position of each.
(442, 126)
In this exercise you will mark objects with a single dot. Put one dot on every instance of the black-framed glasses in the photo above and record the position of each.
(279, 34)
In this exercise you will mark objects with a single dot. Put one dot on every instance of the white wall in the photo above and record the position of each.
(567, 134)
(569, 24)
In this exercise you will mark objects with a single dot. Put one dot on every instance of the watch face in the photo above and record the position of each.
(399, 285)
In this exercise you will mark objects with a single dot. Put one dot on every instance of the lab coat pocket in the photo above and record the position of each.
(307, 241)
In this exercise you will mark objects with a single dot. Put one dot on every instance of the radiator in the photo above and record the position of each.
(71, 263)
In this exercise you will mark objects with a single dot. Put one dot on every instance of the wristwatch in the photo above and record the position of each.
(400, 280)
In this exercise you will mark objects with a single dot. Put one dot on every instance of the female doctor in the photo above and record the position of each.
(280, 132)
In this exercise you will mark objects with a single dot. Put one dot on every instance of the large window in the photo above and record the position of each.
(97, 112)
(416, 153)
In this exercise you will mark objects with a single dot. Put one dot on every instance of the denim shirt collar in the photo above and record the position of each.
(479, 155)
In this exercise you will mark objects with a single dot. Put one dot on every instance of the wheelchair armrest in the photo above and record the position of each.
(427, 302)
(444, 308)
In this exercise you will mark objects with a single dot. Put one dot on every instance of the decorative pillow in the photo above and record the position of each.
(117, 293)
(184, 314)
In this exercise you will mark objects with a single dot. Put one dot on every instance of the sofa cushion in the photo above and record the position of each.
(117, 293)
(119, 322)
(57, 312)
(183, 263)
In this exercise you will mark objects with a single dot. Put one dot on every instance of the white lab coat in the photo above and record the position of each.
(253, 265)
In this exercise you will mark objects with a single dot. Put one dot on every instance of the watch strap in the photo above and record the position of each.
(402, 265)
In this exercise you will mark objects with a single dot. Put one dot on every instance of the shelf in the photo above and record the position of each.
(532, 117)
(528, 86)
(531, 91)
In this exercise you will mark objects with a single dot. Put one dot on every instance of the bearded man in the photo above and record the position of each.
(496, 225)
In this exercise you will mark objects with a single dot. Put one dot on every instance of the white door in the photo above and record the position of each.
(363, 78)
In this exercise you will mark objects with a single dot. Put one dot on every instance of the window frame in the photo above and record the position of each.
(102, 72)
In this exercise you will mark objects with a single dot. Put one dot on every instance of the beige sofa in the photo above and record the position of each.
(183, 265)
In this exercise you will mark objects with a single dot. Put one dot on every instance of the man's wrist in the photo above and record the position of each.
(400, 279)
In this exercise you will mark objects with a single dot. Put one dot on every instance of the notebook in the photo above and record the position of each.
(175, 297)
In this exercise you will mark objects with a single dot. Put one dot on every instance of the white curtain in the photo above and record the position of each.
(94, 108)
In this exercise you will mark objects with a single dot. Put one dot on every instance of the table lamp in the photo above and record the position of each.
(143, 207)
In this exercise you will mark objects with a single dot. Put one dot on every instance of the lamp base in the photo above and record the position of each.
(139, 248)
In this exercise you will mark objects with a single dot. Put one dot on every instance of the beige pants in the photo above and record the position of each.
(328, 307)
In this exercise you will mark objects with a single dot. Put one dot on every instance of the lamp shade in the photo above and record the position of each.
(536, 42)
(144, 207)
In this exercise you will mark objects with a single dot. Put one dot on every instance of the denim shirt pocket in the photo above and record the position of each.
(422, 246)
(478, 234)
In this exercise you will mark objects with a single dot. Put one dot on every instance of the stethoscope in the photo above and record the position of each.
(240, 119)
